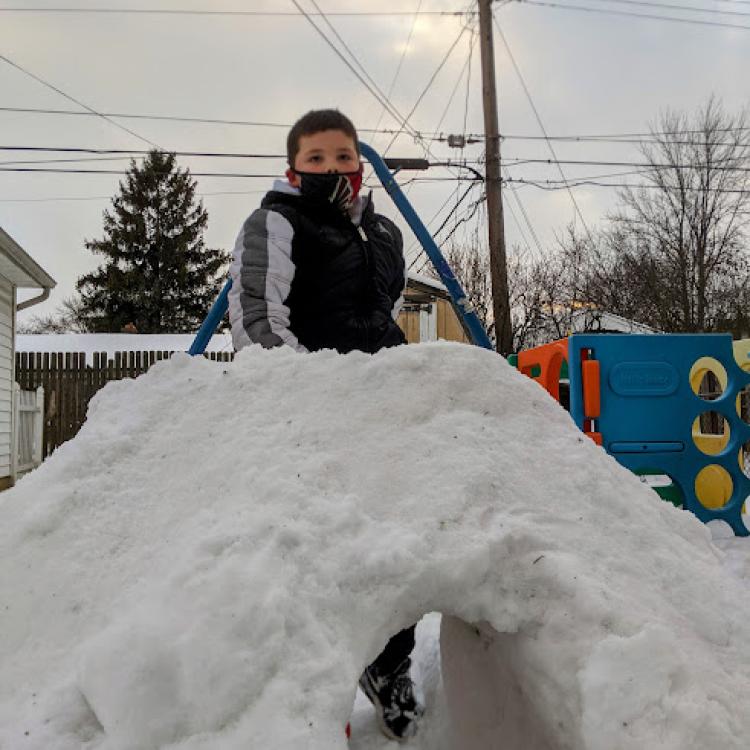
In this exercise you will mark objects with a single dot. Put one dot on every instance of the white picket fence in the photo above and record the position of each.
(29, 423)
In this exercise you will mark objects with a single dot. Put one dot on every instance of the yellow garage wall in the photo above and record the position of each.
(448, 327)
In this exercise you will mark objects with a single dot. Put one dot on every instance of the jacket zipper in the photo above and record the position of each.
(366, 251)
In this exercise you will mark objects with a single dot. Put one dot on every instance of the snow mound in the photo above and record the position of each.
(222, 549)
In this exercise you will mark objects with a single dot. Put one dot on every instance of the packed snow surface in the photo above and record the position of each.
(224, 547)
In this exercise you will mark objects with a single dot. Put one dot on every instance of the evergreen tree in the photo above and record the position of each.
(158, 274)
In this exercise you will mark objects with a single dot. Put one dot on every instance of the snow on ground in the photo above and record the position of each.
(222, 549)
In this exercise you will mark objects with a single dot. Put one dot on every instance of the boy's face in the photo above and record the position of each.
(326, 151)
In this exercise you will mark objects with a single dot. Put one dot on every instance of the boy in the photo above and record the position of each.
(316, 268)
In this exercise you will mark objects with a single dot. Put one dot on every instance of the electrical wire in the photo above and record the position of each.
(656, 140)
(604, 137)
(404, 123)
(51, 170)
(454, 209)
(101, 151)
(468, 87)
(451, 97)
(197, 120)
(517, 161)
(109, 197)
(466, 67)
(429, 222)
(385, 97)
(541, 124)
(467, 215)
(470, 55)
(525, 215)
(513, 215)
(447, 218)
(450, 164)
(23, 162)
(687, 8)
(638, 186)
(401, 61)
(453, 93)
(428, 86)
(197, 12)
(649, 16)
(92, 111)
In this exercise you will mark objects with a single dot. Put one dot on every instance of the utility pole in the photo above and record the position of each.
(498, 263)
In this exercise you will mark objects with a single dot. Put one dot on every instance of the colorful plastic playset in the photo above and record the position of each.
(643, 398)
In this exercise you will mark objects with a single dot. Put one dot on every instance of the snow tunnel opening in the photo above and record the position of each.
(418, 643)
(470, 680)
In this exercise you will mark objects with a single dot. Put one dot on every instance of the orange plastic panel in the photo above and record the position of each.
(549, 359)
(592, 398)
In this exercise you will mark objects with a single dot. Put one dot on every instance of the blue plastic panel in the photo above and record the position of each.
(648, 408)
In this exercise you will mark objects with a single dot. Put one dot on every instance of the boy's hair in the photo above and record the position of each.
(316, 121)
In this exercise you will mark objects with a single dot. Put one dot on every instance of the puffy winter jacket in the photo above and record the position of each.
(313, 278)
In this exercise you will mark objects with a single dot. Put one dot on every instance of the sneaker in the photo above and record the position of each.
(395, 704)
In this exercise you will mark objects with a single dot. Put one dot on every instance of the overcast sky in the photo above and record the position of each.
(588, 73)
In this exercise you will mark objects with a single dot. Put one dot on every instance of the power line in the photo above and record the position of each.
(427, 224)
(385, 97)
(650, 16)
(688, 8)
(426, 146)
(167, 118)
(348, 64)
(455, 89)
(438, 230)
(450, 164)
(734, 2)
(468, 214)
(401, 61)
(405, 124)
(74, 100)
(594, 137)
(625, 141)
(251, 13)
(109, 197)
(21, 162)
(468, 85)
(643, 165)
(466, 67)
(627, 173)
(540, 123)
(52, 170)
(525, 215)
(428, 86)
(101, 151)
(455, 208)
(197, 120)
(553, 185)
(509, 206)
(431, 220)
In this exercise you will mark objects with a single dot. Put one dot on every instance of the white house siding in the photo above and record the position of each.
(7, 317)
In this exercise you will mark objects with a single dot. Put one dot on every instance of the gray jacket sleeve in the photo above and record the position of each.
(262, 271)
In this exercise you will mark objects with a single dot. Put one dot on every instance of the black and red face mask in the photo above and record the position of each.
(332, 188)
